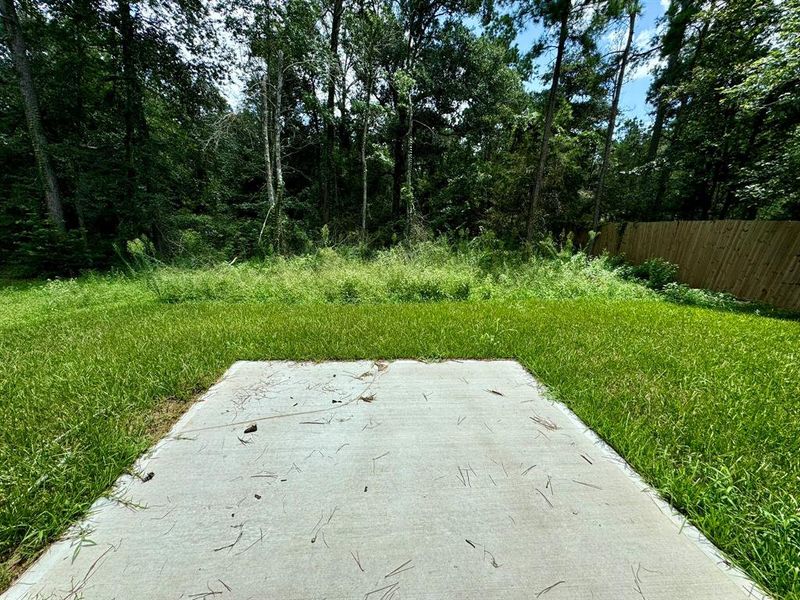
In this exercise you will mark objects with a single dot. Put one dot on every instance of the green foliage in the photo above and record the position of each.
(144, 144)
(657, 273)
(141, 253)
(159, 154)
(661, 276)
(125, 135)
(683, 294)
(725, 142)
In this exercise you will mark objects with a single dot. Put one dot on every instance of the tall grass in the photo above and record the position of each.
(32, 302)
(427, 272)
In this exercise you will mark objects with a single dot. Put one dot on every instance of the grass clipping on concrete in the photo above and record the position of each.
(703, 403)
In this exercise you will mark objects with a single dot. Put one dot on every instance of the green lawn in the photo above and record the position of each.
(703, 403)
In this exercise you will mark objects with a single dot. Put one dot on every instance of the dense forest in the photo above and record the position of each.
(377, 121)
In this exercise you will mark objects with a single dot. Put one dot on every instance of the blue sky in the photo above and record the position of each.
(633, 101)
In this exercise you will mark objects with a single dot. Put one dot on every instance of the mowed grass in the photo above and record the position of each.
(704, 404)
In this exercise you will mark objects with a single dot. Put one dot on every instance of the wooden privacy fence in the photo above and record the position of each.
(754, 260)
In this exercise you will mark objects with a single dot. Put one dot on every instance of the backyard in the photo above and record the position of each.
(701, 400)
(601, 198)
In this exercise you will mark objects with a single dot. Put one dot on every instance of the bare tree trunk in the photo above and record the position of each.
(398, 144)
(548, 122)
(364, 133)
(409, 191)
(265, 124)
(328, 182)
(267, 146)
(612, 121)
(19, 52)
(277, 151)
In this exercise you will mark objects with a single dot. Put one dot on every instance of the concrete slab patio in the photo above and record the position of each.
(383, 481)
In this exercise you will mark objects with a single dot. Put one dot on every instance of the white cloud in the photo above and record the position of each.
(644, 69)
(665, 4)
(644, 38)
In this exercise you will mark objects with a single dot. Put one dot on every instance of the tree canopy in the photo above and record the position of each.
(378, 121)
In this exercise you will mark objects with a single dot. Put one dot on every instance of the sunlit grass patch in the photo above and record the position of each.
(425, 273)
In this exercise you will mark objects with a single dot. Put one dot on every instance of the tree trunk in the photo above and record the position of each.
(661, 108)
(329, 177)
(658, 127)
(267, 145)
(612, 121)
(277, 150)
(364, 134)
(398, 144)
(721, 160)
(678, 34)
(19, 52)
(548, 122)
(343, 131)
(409, 190)
(132, 112)
(79, 50)
(748, 150)
(265, 124)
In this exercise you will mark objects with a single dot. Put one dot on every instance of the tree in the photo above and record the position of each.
(393, 117)
(416, 28)
(679, 16)
(334, 69)
(767, 98)
(132, 111)
(633, 10)
(19, 52)
(269, 148)
(404, 84)
(558, 12)
(367, 45)
(711, 143)
(283, 39)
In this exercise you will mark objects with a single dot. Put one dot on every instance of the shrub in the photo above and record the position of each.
(655, 272)
(683, 294)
